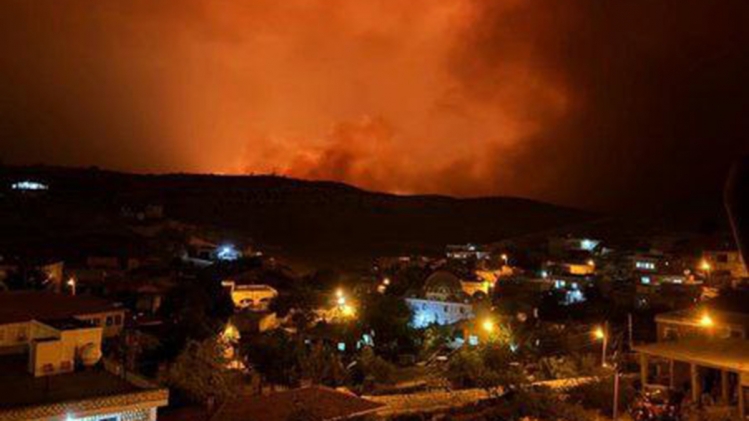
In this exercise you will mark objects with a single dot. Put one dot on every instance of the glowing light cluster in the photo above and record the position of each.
(29, 185)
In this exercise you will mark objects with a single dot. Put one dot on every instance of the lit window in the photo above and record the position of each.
(29, 185)
(341, 346)
(645, 280)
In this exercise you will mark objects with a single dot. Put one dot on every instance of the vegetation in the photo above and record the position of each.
(491, 367)
(537, 404)
(389, 319)
(285, 360)
(200, 372)
(599, 395)
(370, 366)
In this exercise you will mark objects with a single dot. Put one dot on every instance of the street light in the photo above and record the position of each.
(506, 258)
(71, 283)
(600, 334)
(488, 325)
(347, 310)
(706, 321)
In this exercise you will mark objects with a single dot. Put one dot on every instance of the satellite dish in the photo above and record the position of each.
(90, 354)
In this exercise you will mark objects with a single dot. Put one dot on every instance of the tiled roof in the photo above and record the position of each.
(22, 306)
(321, 403)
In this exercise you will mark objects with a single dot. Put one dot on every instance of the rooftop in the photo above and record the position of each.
(730, 354)
(22, 306)
(18, 388)
(729, 308)
(93, 391)
(320, 403)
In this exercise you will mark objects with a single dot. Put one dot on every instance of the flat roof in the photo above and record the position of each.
(18, 388)
(731, 354)
(23, 306)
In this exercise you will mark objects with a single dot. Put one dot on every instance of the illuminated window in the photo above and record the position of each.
(29, 185)
(645, 280)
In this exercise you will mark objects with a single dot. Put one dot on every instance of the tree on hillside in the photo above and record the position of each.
(389, 319)
(321, 365)
(275, 356)
(491, 367)
(195, 310)
(200, 372)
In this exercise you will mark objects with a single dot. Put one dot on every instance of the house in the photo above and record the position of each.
(704, 351)
(466, 252)
(560, 246)
(22, 311)
(444, 301)
(726, 316)
(315, 402)
(61, 377)
(253, 297)
(51, 271)
(724, 263)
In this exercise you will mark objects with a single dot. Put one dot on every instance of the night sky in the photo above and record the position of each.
(590, 103)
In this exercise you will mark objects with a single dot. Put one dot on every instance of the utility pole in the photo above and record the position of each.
(604, 343)
(615, 412)
(629, 330)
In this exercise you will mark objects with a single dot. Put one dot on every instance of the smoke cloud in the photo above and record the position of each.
(589, 103)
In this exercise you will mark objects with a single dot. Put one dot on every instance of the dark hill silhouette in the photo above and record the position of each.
(311, 219)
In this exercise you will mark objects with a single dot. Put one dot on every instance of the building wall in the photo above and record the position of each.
(472, 287)
(14, 334)
(111, 321)
(427, 312)
(59, 355)
(255, 298)
(726, 263)
(672, 330)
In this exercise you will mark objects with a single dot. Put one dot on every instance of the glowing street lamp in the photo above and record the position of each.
(488, 325)
(706, 321)
(386, 281)
(347, 311)
(505, 258)
(600, 334)
(591, 262)
(72, 284)
(705, 265)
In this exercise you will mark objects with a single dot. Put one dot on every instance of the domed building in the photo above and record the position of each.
(444, 301)
(443, 286)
